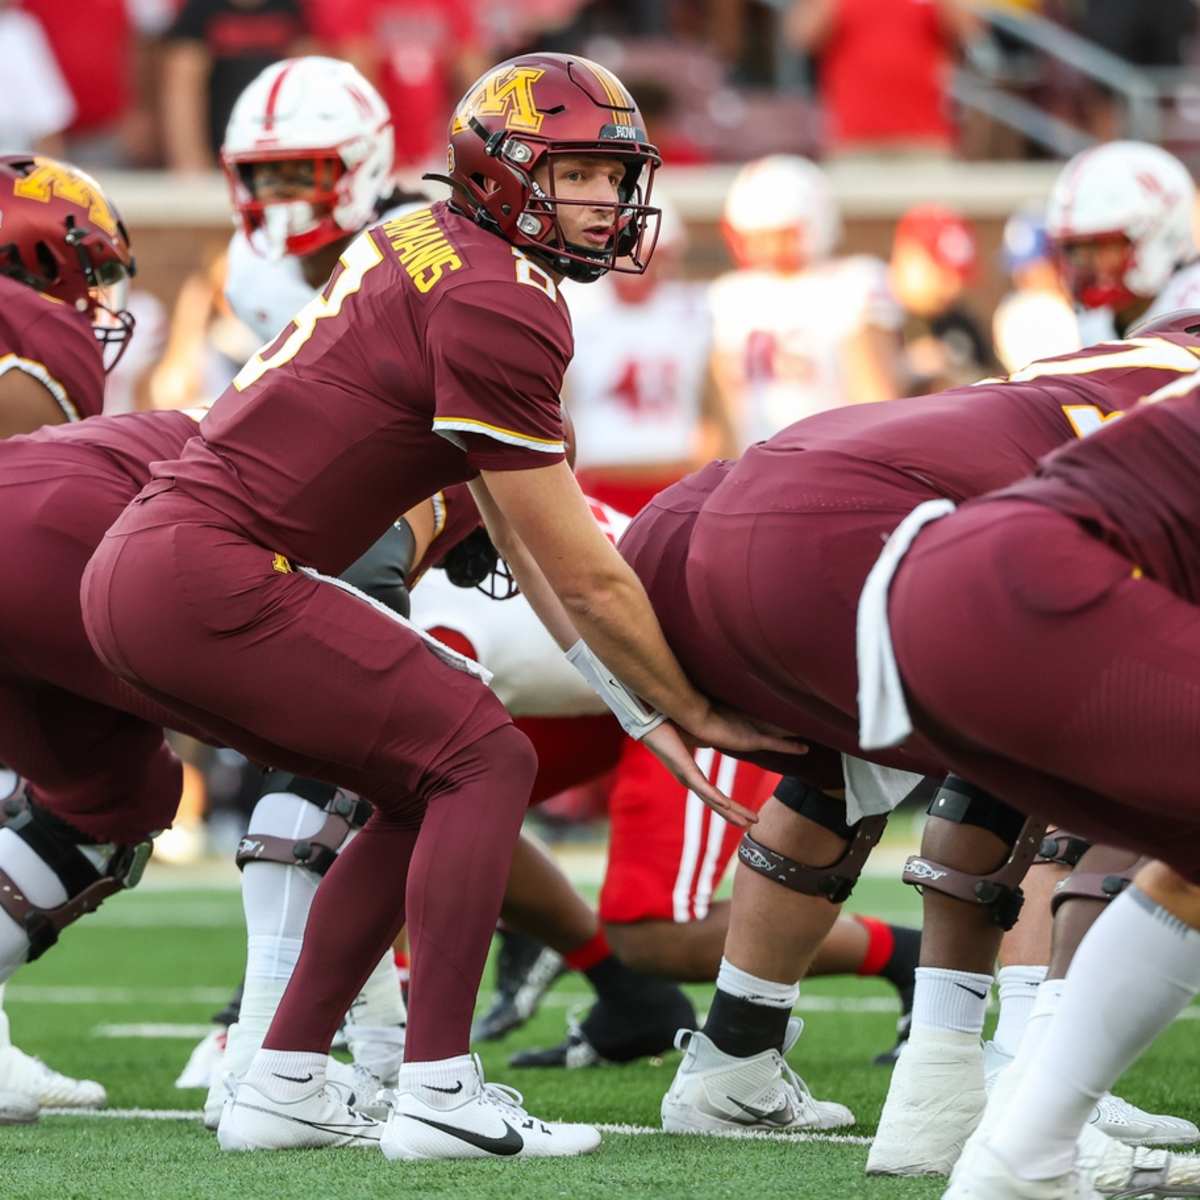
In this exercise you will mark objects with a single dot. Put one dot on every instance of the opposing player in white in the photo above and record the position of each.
(796, 330)
(308, 155)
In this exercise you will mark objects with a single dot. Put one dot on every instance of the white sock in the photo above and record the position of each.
(438, 1083)
(733, 981)
(286, 1074)
(1017, 988)
(944, 999)
(375, 1023)
(5, 1037)
(1134, 972)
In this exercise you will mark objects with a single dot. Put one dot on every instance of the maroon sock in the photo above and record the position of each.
(455, 887)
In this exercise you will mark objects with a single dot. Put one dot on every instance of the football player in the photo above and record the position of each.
(1120, 221)
(65, 262)
(433, 356)
(65, 266)
(640, 388)
(730, 556)
(796, 330)
(1089, 569)
(666, 856)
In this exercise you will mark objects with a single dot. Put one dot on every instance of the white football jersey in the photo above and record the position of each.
(781, 337)
(530, 674)
(265, 293)
(635, 386)
(1182, 291)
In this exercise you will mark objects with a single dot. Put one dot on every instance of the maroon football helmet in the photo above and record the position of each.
(1179, 320)
(60, 234)
(538, 108)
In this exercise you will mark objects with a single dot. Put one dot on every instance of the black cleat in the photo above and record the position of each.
(525, 971)
(617, 1033)
(901, 972)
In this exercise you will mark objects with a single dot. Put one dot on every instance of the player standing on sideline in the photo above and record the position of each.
(434, 356)
(1120, 220)
(796, 331)
(1105, 743)
(65, 264)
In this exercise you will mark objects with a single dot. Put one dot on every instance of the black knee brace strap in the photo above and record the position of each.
(814, 805)
(1094, 885)
(1062, 847)
(834, 882)
(344, 811)
(57, 844)
(999, 891)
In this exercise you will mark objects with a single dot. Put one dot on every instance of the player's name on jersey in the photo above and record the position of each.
(422, 247)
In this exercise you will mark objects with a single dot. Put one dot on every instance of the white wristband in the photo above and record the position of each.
(636, 718)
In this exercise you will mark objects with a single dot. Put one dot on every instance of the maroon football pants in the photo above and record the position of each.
(297, 673)
(1047, 670)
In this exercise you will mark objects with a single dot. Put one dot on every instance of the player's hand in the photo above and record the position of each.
(669, 748)
(730, 730)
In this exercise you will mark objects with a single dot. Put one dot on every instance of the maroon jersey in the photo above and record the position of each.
(435, 351)
(969, 440)
(130, 442)
(1136, 484)
(50, 341)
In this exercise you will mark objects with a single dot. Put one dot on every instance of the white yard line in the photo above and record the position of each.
(193, 1114)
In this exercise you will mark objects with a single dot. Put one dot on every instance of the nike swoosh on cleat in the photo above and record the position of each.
(781, 1116)
(511, 1143)
(293, 1078)
(981, 995)
(348, 1130)
(433, 1087)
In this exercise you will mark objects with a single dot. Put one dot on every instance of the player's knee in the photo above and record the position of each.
(153, 804)
(642, 945)
(510, 755)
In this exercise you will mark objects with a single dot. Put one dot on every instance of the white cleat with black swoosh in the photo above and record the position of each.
(321, 1118)
(714, 1092)
(468, 1118)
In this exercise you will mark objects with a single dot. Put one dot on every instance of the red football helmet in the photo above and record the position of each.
(534, 109)
(60, 234)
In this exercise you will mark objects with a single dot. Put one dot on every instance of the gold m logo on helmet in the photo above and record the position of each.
(507, 94)
(49, 178)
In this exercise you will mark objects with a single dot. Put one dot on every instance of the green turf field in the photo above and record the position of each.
(160, 960)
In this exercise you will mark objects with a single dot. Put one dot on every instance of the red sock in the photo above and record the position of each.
(595, 950)
(880, 944)
(400, 958)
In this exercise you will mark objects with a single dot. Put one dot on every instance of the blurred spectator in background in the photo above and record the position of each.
(1035, 320)
(934, 257)
(95, 51)
(796, 331)
(213, 50)
(645, 409)
(421, 54)
(883, 68)
(36, 104)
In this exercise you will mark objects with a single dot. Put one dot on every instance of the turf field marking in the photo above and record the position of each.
(194, 1114)
(83, 994)
(161, 1029)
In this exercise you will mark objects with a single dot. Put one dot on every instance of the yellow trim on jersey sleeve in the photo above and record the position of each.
(38, 370)
(438, 500)
(1146, 353)
(511, 437)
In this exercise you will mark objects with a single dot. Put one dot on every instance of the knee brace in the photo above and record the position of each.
(834, 882)
(1094, 885)
(999, 891)
(344, 811)
(1059, 846)
(57, 844)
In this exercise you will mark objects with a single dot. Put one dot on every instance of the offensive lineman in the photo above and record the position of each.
(1088, 569)
(395, 399)
(61, 305)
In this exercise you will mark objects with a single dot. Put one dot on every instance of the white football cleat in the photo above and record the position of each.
(475, 1120)
(378, 1049)
(1116, 1117)
(715, 1092)
(204, 1063)
(22, 1073)
(18, 1108)
(983, 1175)
(935, 1100)
(254, 1120)
(222, 1088)
(1118, 1170)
